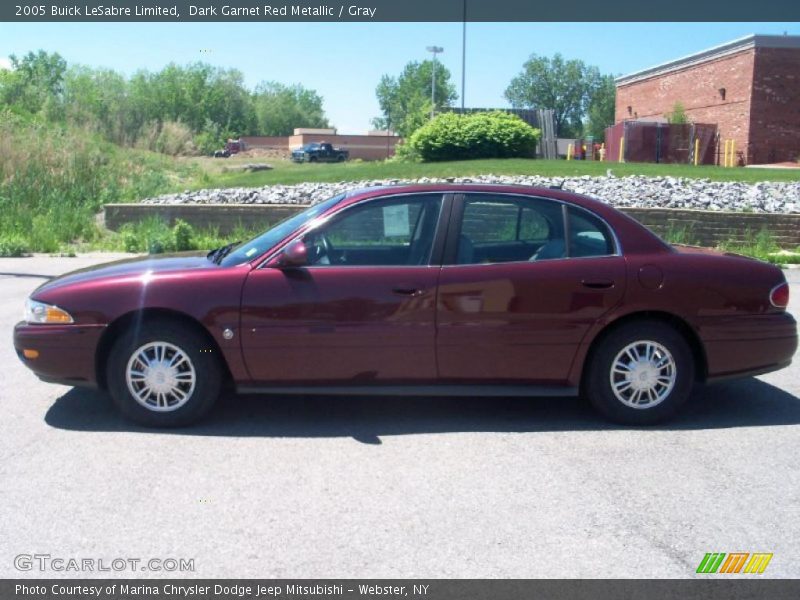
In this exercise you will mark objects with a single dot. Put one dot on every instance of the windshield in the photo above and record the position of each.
(311, 147)
(257, 246)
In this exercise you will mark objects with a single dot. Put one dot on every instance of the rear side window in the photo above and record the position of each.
(496, 229)
(588, 235)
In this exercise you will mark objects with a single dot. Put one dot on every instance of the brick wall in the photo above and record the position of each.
(775, 120)
(226, 218)
(265, 141)
(697, 87)
(707, 228)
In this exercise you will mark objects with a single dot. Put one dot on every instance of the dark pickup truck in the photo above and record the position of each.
(322, 152)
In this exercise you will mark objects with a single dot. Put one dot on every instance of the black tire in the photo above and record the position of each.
(202, 358)
(597, 384)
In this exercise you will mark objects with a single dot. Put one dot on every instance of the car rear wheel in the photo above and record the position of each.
(163, 375)
(640, 373)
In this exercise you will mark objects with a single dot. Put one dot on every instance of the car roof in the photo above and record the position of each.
(466, 188)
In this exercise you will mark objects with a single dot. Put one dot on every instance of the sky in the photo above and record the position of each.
(345, 61)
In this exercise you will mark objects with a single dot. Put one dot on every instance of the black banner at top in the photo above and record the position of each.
(397, 10)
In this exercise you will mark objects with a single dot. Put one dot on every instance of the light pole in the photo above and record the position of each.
(463, 57)
(434, 50)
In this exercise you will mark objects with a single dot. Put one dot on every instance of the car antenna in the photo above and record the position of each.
(559, 186)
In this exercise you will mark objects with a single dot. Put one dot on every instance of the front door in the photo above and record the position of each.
(528, 278)
(361, 312)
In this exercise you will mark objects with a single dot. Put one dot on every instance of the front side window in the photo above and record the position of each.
(391, 232)
(498, 229)
(254, 248)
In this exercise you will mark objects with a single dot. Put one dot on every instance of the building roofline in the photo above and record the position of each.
(738, 45)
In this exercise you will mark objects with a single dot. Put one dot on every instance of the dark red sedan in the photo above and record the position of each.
(437, 289)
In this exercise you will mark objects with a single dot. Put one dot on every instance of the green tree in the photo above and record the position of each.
(98, 99)
(280, 108)
(601, 113)
(34, 83)
(175, 109)
(193, 95)
(565, 86)
(678, 115)
(405, 101)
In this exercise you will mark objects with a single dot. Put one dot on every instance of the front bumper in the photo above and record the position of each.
(741, 346)
(66, 353)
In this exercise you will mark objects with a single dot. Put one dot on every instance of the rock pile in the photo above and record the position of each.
(631, 191)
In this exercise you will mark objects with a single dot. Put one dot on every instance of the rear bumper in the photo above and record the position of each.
(66, 352)
(743, 346)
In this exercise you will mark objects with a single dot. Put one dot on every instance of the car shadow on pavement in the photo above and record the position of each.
(745, 403)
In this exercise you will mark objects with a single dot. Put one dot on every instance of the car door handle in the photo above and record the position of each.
(598, 284)
(407, 291)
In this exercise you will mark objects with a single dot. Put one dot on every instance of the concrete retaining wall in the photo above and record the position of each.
(707, 228)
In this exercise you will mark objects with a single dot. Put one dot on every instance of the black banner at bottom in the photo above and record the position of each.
(727, 588)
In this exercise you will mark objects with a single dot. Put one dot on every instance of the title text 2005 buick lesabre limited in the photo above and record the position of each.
(438, 289)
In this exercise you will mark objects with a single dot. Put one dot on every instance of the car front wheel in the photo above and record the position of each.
(163, 375)
(640, 373)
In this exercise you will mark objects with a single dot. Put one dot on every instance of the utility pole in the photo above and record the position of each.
(463, 57)
(434, 50)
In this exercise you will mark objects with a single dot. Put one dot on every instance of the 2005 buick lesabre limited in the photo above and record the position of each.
(436, 289)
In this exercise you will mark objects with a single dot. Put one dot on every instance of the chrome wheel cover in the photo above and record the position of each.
(643, 374)
(160, 376)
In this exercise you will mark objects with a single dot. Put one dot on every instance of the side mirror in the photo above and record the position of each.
(293, 255)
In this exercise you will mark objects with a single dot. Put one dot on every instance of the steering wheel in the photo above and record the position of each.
(323, 250)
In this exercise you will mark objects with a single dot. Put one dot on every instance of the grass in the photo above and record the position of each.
(680, 235)
(156, 236)
(286, 172)
(762, 245)
(54, 180)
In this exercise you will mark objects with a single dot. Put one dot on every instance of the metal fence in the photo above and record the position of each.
(639, 141)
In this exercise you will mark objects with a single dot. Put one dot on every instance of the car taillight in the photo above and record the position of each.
(779, 296)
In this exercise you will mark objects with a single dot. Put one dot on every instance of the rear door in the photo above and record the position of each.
(363, 310)
(526, 279)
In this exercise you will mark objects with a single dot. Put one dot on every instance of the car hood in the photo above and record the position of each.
(132, 267)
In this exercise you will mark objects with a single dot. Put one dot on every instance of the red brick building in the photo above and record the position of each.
(749, 88)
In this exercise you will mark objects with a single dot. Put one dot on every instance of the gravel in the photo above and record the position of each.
(632, 191)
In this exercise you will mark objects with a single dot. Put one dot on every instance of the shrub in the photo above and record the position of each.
(450, 136)
(183, 233)
(170, 137)
(405, 153)
(130, 242)
(152, 235)
(12, 245)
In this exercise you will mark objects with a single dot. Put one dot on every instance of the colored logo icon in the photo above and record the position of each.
(735, 562)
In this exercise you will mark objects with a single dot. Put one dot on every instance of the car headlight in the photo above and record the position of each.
(39, 312)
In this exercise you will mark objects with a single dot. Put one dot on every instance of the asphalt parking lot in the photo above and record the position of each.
(395, 487)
